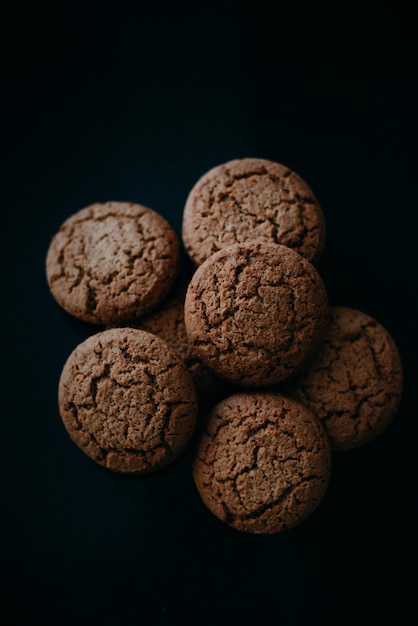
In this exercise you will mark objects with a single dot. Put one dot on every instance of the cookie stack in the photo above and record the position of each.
(248, 341)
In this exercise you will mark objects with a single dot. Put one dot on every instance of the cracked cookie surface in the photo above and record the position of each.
(263, 463)
(354, 384)
(252, 200)
(167, 322)
(113, 261)
(127, 400)
(255, 313)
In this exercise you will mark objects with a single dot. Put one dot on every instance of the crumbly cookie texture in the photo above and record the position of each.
(255, 313)
(252, 199)
(354, 384)
(167, 322)
(113, 261)
(263, 462)
(127, 400)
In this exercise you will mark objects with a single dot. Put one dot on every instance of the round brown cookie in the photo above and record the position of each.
(111, 262)
(252, 200)
(354, 383)
(167, 322)
(255, 313)
(127, 400)
(263, 463)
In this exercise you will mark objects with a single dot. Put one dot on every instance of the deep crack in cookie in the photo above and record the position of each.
(127, 400)
(263, 462)
(252, 200)
(256, 313)
(111, 262)
(354, 384)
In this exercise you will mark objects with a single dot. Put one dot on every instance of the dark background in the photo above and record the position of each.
(108, 101)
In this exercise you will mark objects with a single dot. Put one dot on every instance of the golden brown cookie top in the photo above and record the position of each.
(113, 261)
(255, 312)
(127, 400)
(252, 199)
(263, 463)
(354, 384)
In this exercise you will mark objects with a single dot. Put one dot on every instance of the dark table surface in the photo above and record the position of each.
(101, 102)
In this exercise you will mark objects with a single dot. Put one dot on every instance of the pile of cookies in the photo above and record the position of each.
(248, 342)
